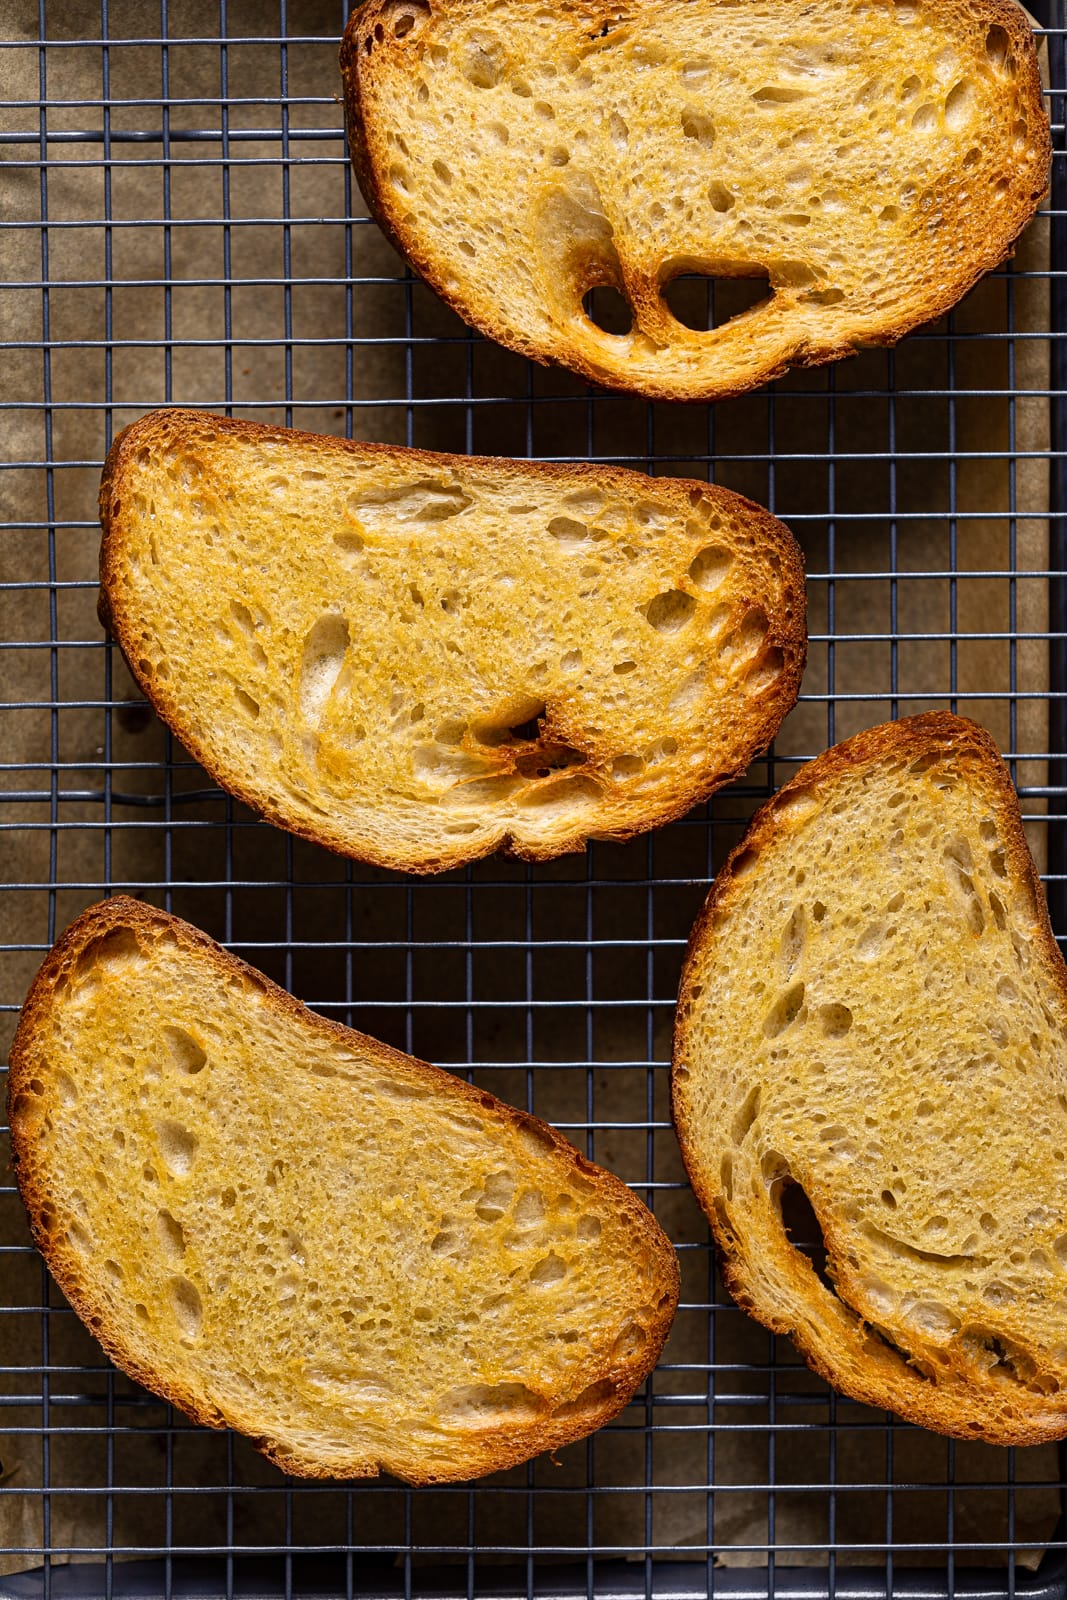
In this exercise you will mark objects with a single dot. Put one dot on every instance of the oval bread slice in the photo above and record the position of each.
(287, 1228)
(873, 1015)
(871, 159)
(417, 659)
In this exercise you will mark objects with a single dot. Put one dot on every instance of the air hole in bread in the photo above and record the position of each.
(430, 500)
(550, 1269)
(177, 1146)
(791, 944)
(186, 1308)
(689, 692)
(186, 1053)
(520, 723)
(568, 532)
(78, 1236)
(709, 567)
(746, 1116)
(66, 1088)
(794, 805)
(870, 941)
(243, 617)
(662, 750)
(490, 1405)
(703, 301)
(743, 862)
(669, 612)
(779, 94)
(406, 17)
(529, 1209)
(609, 310)
(802, 1227)
(171, 1235)
(959, 866)
(590, 1401)
(698, 126)
(784, 1012)
(1001, 1357)
(834, 1020)
(111, 952)
(959, 105)
(565, 794)
(321, 662)
(482, 60)
(548, 759)
(494, 1197)
(998, 49)
(630, 1343)
(625, 767)
(450, 731)
(765, 672)
(748, 640)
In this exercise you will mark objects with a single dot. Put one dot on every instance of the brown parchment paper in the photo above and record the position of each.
(727, 1381)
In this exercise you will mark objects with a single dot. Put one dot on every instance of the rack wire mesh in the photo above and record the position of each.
(179, 223)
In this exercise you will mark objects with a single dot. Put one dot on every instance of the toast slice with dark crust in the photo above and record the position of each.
(417, 659)
(285, 1227)
(870, 159)
(873, 1012)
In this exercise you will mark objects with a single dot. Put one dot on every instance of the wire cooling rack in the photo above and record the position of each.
(178, 223)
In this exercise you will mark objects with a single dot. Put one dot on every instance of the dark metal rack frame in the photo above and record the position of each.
(164, 796)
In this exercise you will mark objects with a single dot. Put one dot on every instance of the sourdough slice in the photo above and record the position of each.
(873, 1012)
(871, 158)
(416, 659)
(287, 1228)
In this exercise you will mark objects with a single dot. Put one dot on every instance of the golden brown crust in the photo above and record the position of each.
(883, 1381)
(370, 157)
(765, 713)
(27, 1060)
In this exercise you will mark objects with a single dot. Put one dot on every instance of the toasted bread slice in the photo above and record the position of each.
(416, 659)
(871, 159)
(873, 1011)
(290, 1229)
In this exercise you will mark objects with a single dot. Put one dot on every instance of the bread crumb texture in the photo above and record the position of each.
(288, 1228)
(872, 1016)
(417, 659)
(868, 159)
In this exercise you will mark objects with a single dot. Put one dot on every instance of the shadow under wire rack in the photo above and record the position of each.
(178, 223)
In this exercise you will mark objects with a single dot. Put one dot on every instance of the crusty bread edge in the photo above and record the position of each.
(368, 155)
(766, 713)
(907, 739)
(499, 1451)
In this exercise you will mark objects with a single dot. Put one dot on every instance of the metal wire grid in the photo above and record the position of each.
(552, 986)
